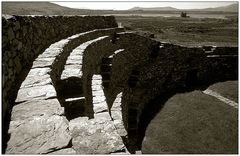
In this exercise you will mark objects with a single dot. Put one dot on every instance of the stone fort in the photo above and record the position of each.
(83, 85)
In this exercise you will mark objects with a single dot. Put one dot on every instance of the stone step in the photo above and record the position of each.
(95, 136)
(73, 67)
(38, 136)
(28, 109)
(75, 99)
(74, 107)
(36, 93)
(116, 52)
(69, 88)
(38, 124)
(32, 81)
(34, 131)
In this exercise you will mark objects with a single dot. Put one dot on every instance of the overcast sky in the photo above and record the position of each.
(127, 5)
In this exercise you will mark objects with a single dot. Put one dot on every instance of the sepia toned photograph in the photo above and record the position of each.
(119, 77)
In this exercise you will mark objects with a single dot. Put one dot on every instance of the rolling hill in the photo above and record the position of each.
(229, 8)
(155, 9)
(39, 8)
(47, 8)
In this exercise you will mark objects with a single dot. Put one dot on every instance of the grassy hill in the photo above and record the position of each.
(39, 8)
(228, 8)
(47, 8)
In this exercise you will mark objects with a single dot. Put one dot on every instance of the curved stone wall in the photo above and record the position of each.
(25, 37)
(144, 69)
(123, 66)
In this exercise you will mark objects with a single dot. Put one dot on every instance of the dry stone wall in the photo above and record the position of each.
(50, 112)
(144, 69)
(174, 69)
(25, 37)
(129, 68)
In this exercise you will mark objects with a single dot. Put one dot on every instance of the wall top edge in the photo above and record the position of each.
(7, 16)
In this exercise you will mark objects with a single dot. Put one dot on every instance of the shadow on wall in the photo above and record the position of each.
(24, 38)
(70, 95)
(154, 106)
(11, 97)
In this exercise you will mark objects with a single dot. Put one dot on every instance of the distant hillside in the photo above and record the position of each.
(155, 9)
(47, 8)
(38, 8)
(229, 8)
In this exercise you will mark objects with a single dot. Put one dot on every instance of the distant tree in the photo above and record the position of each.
(184, 14)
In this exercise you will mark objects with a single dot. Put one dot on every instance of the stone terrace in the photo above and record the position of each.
(53, 131)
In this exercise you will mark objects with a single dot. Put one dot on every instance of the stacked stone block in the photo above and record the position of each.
(25, 37)
(38, 126)
(143, 70)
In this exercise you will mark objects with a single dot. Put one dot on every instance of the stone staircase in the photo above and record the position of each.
(71, 90)
(50, 115)
(97, 135)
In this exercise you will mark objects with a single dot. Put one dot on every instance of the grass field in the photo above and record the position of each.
(193, 122)
(228, 89)
(186, 31)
